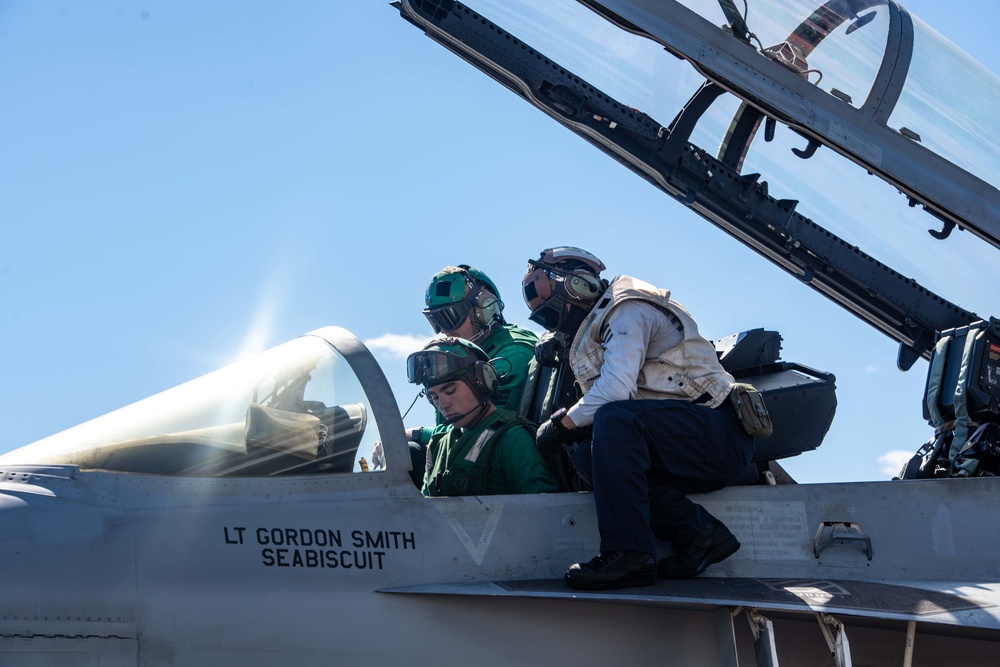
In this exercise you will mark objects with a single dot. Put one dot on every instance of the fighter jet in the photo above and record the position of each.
(238, 519)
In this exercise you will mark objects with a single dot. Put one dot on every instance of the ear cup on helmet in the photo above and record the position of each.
(489, 376)
(487, 307)
(582, 285)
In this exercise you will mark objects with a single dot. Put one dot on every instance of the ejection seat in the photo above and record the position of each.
(962, 404)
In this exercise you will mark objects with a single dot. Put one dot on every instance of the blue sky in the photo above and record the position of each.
(181, 183)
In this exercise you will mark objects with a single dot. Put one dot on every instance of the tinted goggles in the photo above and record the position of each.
(448, 318)
(541, 294)
(538, 284)
(430, 367)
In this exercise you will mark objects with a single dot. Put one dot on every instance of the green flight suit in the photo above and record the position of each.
(495, 456)
(517, 346)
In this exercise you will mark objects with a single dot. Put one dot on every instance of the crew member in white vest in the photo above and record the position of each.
(655, 393)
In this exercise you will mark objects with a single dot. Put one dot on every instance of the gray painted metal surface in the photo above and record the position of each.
(358, 567)
(123, 569)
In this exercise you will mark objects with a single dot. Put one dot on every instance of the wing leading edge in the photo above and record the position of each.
(975, 606)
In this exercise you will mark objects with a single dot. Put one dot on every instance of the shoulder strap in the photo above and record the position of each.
(487, 450)
(935, 376)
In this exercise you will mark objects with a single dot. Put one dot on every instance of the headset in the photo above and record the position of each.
(487, 307)
(482, 379)
(583, 285)
(481, 303)
(548, 288)
(486, 304)
(486, 376)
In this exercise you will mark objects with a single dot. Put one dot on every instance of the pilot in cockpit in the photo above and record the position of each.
(483, 449)
(462, 302)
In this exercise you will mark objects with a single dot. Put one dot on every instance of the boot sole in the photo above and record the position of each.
(637, 579)
(719, 553)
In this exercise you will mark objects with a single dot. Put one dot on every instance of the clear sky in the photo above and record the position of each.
(184, 182)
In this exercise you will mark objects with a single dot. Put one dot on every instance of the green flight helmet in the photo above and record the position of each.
(446, 359)
(455, 292)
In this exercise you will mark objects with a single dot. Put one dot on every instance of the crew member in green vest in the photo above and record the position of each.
(482, 449)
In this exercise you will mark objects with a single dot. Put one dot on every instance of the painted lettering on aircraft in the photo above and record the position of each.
(329, 558)
(769, 530)
(324, 548)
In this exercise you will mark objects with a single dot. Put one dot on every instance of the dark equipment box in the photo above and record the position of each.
(801, 401)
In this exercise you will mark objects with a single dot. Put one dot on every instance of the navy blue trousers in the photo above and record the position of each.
(645, 455)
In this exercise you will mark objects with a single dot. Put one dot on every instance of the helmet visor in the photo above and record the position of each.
(449, 317)
(549, 314)
(430, 367)
(542, 294)
(537, 285)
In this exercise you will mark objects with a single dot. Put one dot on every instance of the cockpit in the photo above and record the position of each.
(308, 407)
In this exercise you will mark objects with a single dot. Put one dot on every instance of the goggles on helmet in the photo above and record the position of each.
(431, 367)
(541, 287)
(448, 317)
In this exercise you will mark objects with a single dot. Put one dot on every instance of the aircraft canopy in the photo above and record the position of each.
(298, 408)
(812, 83)
(947, 100)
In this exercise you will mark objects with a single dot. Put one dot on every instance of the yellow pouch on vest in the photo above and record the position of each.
(749, 405)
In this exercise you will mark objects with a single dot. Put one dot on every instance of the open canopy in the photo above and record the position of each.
(745, 112)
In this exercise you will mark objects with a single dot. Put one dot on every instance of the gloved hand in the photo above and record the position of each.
(549, 349)
(553, 433)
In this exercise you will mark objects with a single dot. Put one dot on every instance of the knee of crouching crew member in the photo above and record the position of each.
(614, 419)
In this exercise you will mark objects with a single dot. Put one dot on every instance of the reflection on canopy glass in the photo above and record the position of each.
(946, 100)
(296, 409)
(950, 102)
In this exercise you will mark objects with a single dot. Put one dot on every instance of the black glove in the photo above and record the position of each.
(549, 349)
(552, 433)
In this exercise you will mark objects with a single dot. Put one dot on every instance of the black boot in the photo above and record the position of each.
(712, 545)
(613, 569)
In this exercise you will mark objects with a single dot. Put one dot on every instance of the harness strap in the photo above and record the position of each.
(487, 449)
(935, 375)
(962, 421)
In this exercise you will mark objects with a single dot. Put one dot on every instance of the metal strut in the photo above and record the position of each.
(836, 639)
(763, 636)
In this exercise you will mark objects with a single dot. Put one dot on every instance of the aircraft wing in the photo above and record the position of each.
(971, 606)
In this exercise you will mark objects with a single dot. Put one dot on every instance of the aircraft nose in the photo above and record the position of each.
(66, 566)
